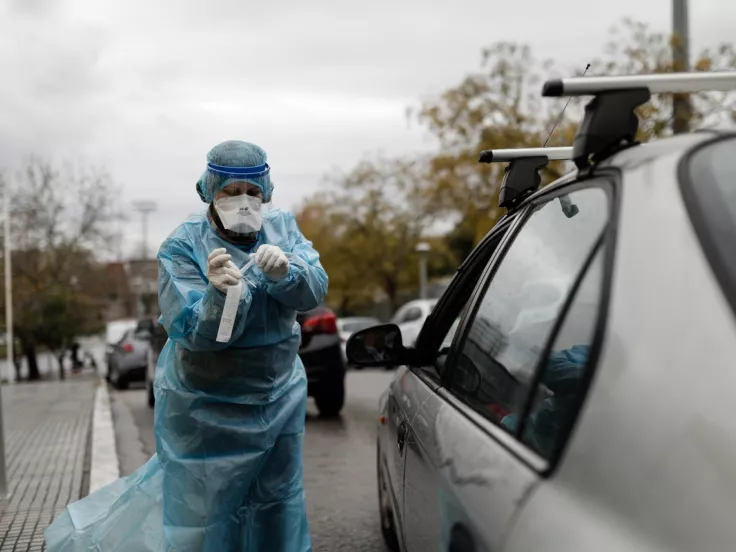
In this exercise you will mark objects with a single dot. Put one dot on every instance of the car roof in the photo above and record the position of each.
(635, 156)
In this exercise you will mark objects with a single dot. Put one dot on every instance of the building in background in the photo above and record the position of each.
(120, 299)
(143, 282)
(132, 290)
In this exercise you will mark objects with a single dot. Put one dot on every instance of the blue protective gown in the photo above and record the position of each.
(229, 417)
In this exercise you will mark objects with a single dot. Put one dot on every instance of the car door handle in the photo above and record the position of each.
(401, 435)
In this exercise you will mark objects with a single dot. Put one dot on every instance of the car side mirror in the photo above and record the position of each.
(377, 346)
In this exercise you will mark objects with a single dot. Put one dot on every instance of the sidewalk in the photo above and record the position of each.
(48, 432)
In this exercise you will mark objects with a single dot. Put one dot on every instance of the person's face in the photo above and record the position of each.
(239, 188)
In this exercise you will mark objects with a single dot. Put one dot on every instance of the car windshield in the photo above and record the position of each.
(724, 178)
(709, 189)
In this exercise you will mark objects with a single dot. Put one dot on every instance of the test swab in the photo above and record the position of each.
(230, 309)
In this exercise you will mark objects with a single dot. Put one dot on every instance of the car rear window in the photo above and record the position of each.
(116, 330)
(708, 183)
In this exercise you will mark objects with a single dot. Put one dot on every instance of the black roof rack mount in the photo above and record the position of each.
(521, 178)
(610, 122)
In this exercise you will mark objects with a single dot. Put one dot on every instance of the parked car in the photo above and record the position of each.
(410, 318)
(602, 421)
(349, 325)
(321, 355)
(129, 356)
(113, 334)
(158, 340)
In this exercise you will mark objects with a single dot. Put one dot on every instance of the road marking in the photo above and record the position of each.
(105, 468)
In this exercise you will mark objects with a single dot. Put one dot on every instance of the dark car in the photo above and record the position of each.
(321, 354)
(158, 340)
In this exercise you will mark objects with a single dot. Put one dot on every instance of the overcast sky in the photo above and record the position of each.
(145, 88)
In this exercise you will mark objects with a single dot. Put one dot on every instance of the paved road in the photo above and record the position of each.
(46, 432)
(339, 462)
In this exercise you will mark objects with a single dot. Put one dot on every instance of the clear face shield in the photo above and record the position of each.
(238, 198)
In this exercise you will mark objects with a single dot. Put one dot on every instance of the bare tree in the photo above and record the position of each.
(61, 223)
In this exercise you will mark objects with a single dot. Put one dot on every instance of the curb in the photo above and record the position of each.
(104, 465)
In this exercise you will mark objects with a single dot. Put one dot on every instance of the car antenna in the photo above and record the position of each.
(568, 207)
(559, 118)
(521, 176)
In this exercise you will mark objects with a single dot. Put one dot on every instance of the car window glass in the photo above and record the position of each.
(446, 344)
(709, 187)
(720, 175)
(447, 341)
(445, 326)
(560, 381)
(495, 365)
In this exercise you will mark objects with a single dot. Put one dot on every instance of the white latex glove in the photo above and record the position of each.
(220, 273)
(272, 261)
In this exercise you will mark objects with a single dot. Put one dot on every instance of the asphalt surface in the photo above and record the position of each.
(339, 461)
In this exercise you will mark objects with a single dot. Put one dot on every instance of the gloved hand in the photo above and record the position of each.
(272, 261)
(219, 272)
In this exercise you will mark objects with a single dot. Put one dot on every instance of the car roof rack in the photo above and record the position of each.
(521, 177)
(610, 122)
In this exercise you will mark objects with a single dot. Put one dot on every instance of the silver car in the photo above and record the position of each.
(573, 388)
(113, 334)
(129, 358)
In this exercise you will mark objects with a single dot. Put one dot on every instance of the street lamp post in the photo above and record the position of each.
(423, 249)
(9, 339)
(145, 208)
(681, 103)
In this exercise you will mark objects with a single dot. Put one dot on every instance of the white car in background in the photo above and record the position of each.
(410, 318)
(114, 332)
(349, 325)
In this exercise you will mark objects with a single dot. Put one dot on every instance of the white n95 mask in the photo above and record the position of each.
(240, 214)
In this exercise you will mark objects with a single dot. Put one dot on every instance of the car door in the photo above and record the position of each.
(410, 388)
(467, 470)
(417, 386)
(403, 396)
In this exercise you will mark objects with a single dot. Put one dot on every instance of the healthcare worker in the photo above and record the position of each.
(229, 415)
